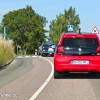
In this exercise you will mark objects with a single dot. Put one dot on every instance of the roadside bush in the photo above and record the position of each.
(6, 51)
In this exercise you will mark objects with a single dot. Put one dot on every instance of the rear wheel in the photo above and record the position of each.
(57, 75)
(97, 74)
(44, 55)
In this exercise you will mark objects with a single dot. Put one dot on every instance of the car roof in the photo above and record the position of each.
(84, 34)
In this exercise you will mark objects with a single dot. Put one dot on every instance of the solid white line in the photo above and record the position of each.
(45, 83)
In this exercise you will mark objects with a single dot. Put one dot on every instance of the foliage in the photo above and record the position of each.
(59, 25)
(6, 51)
(26, 28)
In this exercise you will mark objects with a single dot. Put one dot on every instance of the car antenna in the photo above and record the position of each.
(79, 30)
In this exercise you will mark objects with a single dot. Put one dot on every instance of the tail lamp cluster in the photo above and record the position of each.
(98, 49)
(60, 49)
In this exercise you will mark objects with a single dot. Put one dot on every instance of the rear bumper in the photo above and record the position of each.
(62, 63)
(80, 68)
(50, 53)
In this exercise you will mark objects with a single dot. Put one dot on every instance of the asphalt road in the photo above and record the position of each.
(25, 75)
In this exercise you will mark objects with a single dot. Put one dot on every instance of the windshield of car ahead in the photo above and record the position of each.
(53, 45)
(49, 46)
(80, 42)
(45, 46)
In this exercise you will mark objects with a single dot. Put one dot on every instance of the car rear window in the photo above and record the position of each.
(80, 42)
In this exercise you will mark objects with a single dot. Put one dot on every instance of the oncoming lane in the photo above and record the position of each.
(26, 84)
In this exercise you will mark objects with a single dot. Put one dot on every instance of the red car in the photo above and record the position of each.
(77, 52)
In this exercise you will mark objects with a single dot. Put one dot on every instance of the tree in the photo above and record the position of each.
(26, 28)
(59, 25)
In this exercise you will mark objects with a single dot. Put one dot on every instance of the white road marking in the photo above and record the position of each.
(26, 56)
(19, 57)
(45, 83)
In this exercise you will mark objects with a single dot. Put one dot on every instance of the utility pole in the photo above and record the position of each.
(4, 33)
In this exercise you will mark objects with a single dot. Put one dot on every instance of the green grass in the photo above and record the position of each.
(6, 51)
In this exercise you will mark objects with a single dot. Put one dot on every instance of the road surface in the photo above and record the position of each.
(25, 75)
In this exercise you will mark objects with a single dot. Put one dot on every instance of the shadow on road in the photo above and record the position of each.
(80, 76)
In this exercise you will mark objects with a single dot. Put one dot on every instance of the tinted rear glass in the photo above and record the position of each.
(80, 42)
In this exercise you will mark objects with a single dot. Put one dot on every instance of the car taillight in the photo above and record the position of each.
(98, 49)
(79, 36)
(60, 50)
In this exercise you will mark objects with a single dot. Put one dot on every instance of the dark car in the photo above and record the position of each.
(47, 48)
(77, 52)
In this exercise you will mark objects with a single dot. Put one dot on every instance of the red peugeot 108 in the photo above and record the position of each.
(77, 52)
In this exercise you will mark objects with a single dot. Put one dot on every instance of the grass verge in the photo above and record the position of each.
(6, 51)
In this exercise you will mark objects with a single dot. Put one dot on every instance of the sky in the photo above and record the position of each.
(88, 10)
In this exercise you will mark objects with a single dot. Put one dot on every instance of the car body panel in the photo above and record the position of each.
(63, 63)
(74, 58)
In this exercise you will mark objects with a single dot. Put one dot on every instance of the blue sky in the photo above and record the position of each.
(88, 10)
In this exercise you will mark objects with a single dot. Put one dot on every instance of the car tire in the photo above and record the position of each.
(57, 75)
(97, 74)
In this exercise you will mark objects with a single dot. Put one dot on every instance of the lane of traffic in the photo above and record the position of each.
(68, 88)
(27, 84)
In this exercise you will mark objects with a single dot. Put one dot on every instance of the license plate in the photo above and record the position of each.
(79, 62)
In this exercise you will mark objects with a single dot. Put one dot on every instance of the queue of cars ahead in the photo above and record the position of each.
(47, 48)
(77, 52)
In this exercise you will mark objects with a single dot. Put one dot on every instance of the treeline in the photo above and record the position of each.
(27, 28)
(58, 26)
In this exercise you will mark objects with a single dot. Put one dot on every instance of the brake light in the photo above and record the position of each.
(98, 49)
(60, 50)
(80, 35)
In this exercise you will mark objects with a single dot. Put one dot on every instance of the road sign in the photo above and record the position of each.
(70, 28)
(95, 30)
